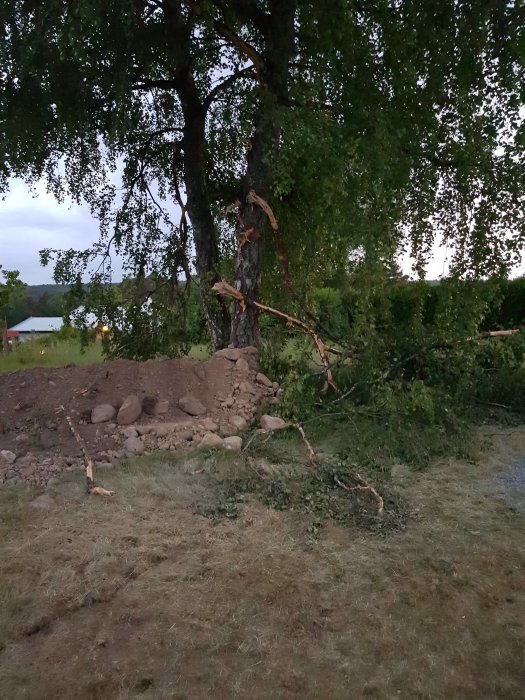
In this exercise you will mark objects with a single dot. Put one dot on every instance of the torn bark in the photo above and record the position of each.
(225, 289)
(91, 487)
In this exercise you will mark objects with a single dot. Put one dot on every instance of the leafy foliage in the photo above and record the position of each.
(390, 124)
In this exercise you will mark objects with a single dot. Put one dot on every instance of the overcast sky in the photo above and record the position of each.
(29, 223)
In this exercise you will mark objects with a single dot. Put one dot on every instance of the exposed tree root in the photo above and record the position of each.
(225, 289)
(363, 485)
(91, 487)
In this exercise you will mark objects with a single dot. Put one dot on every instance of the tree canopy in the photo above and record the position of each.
(363, 127)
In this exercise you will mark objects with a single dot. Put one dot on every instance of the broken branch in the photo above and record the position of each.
(225, 289)
(91, 487)
(363, 485)
(311, 452)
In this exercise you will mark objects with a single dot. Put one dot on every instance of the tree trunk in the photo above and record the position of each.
(204, 230)
(279, 50)
(198, 201)
(245, 321)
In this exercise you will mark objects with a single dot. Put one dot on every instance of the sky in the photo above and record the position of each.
(30, 222)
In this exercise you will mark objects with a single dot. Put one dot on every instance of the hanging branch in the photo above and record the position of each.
(282, 256)
(363, 485)
(225, 289)
(91, 488)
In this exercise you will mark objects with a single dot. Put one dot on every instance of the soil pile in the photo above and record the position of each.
(123, 407)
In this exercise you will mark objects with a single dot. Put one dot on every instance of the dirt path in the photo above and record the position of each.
(140, 597)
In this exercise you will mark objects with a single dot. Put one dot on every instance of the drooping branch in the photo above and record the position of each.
(225, 289)
(210, 97)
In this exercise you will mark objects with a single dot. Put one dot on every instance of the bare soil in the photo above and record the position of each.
(139, 596)
(35, 401)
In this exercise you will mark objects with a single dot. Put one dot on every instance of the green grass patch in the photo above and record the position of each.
(49, 352)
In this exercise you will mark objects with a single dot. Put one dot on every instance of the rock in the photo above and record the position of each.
(161, 407)
(239, 422)
(163, 429)
(51, 382)
(22, 438)
(191, 405)
(229, 402)
(130, 410)
(263, 379)
(250, 350)
(129, 431)
(211, 440)
(242, 365)
(273, 423)
(210, 425)
(232, 354)
(133, 445)
(232, 443)
(7, 456)
(51, 483)
(247, 388)
(103, 413)
(185, 435)
(199, 372)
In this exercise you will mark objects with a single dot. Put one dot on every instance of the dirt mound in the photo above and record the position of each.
(124, 407)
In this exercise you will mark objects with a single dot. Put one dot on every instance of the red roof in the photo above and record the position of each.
(11, 334)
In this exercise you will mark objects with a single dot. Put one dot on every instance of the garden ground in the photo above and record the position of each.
(141, 596)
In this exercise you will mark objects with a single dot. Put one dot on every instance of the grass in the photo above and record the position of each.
(48, 352)
(141, 596)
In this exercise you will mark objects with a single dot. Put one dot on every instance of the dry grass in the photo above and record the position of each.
(141, 597)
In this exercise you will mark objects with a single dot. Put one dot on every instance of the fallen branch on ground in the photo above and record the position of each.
(91, 487)
(363, 485)
(311, 452)
(225, 289)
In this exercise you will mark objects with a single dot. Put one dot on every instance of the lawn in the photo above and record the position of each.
(142, 596)
(49, 352)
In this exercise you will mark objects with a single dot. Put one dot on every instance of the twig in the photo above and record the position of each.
(364, 486)
(92, 489)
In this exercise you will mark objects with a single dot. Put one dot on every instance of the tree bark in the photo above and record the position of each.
(274, 64)
(198, 200)
(204, 230)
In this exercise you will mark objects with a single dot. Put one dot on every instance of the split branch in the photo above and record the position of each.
(282, 255)
(363, 485)
(92, 489)
(225, 289)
